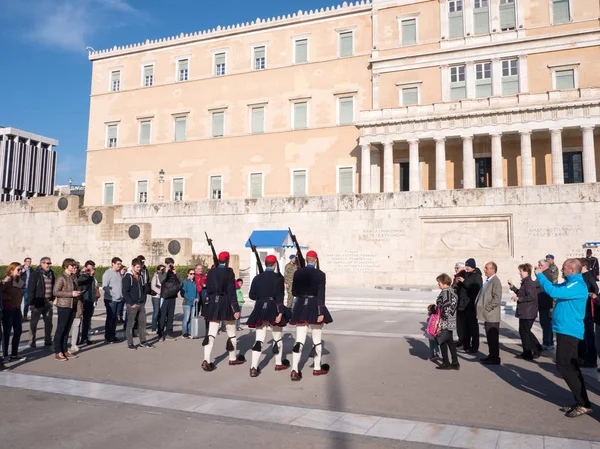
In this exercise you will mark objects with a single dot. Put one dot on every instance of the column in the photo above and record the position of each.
(365, 168)
(470, 79)
(413, 165)
(589, 157)
(496, 77)
(522, 71)
(526, 163)
(440, 163)
(375, 172)
(468, 17)
(558, 174)
(445, 81)
(376, 91)
(497, 177)
(468, 163)
(388, 166)
(444, 29)
(495, 15)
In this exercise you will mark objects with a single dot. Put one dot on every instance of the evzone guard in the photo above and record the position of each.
(268, 291)
(309, 311)
(222, 305)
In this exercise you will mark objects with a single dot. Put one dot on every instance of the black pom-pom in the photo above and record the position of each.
(285, 362)
(205, 341)
(241, 358)
(325, 367)
(229, 345)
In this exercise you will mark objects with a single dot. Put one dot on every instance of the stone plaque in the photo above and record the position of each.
(97, 217)
(134, 231)
(174, 247)
(63, 203)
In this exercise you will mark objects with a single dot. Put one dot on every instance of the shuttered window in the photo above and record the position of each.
(300, 115)
(565, 79)
(177, 189)
(180, 129)
(458, 85)
(507, 15)
(183, 70)
(455, 19)
(560, 11)
(216, 187)
(409, 31)
(346, 111)
(483, 79)
(109, 193)
(258, 120)
(142, 189)
(256, 180)
(301, 51)
(260, 58)
(345, 180)
(220, 64)
(510, 77)
(218, 124)
(410, 95)
(115, 81)
(481, 17)
(346, 44)
(145, 127)
(111, 136)
(148, 75)
(299, 183)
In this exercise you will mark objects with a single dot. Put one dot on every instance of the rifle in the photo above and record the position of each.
(258, 261)
(299, 256)
(214, 253)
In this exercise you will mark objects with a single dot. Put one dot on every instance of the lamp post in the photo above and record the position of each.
(161, 182)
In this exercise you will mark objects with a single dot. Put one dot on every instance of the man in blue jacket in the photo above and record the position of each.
(567, 322)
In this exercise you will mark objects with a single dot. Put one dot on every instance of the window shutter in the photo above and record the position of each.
(143, 187)
(178, 189)
(346, 111)
(507, 16)
(560, 10)
(180, 125)
(346, 44)
(299, 183)
(410, 95)
(301, 51)
(115, 76)
(256, 185)
(183, 64)
(345, 181)
(112, 132)
(458, 92)
(483, 88)
(215, 187)
(109, 193)
(259, 52)
(565, 79)
(300, 116)
(258, 120)
(409, 32)
(220, 58)
(510, 85)
(218, 124)
(145, 133)
(148, 70)
(455, 22)
(482, 20)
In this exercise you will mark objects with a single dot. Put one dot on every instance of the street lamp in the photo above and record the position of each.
(161, 181)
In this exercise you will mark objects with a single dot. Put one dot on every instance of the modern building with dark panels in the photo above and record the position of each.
(27, 163)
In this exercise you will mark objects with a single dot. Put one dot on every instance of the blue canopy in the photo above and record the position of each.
(271, 239)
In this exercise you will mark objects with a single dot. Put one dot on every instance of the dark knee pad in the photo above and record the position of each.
(297, 348)
(229, 346)
(206, 340)
(257, 346)
(276, 347)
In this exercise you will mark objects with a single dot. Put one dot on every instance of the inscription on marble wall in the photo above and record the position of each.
(381, 235)
(554, 231)
(351, 261)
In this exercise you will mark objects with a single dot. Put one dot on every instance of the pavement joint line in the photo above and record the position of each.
(348, 423)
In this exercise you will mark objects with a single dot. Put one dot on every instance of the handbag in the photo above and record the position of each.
(444, 337)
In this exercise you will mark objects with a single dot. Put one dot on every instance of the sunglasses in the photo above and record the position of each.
(47, 263)
(191, 274)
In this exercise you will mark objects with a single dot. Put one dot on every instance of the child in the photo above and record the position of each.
(434, 348)
(240, 299)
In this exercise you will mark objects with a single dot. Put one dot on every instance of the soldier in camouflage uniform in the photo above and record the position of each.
(290, 269)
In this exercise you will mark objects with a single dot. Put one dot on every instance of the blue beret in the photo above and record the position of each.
(549, 256)
(293, 256)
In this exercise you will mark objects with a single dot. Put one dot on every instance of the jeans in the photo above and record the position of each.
(187, 319)
(136, 314)
(531, 345)
(568, 367)
(110, 325)
(237, 322)
(492, 334)
(11, 321)
(155, 312)
(63, 328)
(434, 348)
(120, 309)
(46, 313)
(25, 304)
(167, 312)
(86, 319)
(546, 323)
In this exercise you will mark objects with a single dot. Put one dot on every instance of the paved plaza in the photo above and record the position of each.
(381, 392)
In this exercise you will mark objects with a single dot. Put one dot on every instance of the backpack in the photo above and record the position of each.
(433, 326)
(170, 288)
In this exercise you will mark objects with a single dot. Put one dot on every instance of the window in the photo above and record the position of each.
(115, 81)
(300, 115)
(481, 17)
(507, 15)
(409, 31)
(458, 86)
(510, 77)
(218, 124)
(148, 75)
(183, 70)
(111, 136)
(256, 185)
(573, 167)
(260, 58)
(345, 110)
(345, 180)
(455, 18)
(299, 182)
(180, 129)
(410, 95)
(257, 125)
(145, 127)
(220, 59)
(346, 44)
(142, 191)
(216, 187)
(177, 189)
(483, 79)
(109, 193)
(564, 79)
(560, 12)
(404, 176)
(300, 51)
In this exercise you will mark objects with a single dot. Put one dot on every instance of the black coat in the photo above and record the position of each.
(169, 288)
(469, 290)
(309, 282)
(527, 305)
(545, 302)
(268, 285)
(134, 291)
(37, 288)
(221, 281)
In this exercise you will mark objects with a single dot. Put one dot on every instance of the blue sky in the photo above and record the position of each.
(45, 73)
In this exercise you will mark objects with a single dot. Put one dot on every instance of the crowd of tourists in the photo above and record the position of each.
(568, 312)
